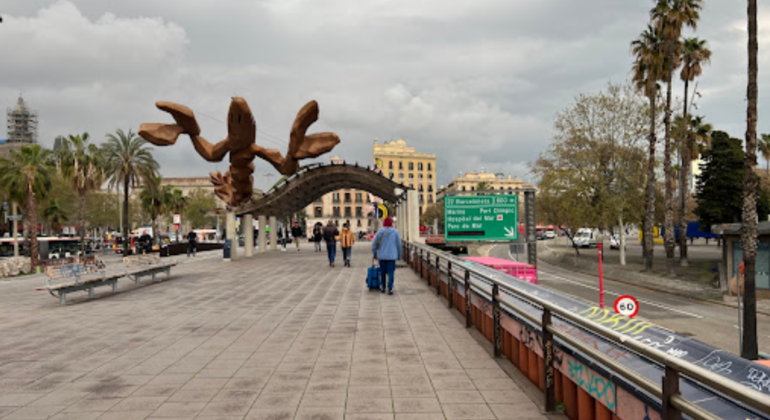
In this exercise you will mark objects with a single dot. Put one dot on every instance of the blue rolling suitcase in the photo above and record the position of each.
(373, 277)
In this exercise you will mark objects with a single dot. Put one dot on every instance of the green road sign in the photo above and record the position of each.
(481, 218)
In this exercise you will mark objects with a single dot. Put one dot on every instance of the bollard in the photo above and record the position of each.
(450, 286)
(670, 388)
(438, 276)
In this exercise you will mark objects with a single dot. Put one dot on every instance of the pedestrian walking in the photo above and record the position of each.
(192, 245)
(347, 238)
(317, 236)
(386, 248)
(296, 233)
(330, 234)
(282, 238)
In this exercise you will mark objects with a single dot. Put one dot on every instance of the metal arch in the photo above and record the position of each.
(310, 183)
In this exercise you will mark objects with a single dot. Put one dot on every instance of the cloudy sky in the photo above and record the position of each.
(476, 82)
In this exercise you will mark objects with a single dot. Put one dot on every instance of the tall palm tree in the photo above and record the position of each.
(695, 53)
(55, 215)
(764, 149)
(83, 164)
(128, 161)
(155, 199)
(670, 17)
(749, 350)
(647, 70)
(27, 172)
(177, 202)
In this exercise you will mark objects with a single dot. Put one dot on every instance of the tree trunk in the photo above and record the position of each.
(82, 221)
(649, 216)
(749, 349)
(25, 229)
(622, 237)
(126, 232)
(668, 221)
(684, 182)
(32, 212)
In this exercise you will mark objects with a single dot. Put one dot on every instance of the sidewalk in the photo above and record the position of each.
(278, 336)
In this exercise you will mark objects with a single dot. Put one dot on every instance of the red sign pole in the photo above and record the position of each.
(601, 277)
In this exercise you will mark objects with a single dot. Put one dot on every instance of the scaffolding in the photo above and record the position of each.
(22, 123)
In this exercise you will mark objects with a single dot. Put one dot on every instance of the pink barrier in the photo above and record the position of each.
(513, 268)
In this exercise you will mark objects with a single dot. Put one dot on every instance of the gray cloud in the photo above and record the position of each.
(476, 82)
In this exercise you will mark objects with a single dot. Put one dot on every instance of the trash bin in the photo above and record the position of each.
(226, 248)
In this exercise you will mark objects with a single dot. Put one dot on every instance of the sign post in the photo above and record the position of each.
(601, 277)
(177, 221)
(481, 218)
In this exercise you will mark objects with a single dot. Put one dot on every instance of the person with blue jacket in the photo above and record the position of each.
(386, 247)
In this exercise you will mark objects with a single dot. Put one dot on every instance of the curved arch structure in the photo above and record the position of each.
(312, 182)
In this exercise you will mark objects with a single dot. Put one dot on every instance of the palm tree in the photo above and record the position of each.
(177, 202)
(749, 350)
(695, 53)
(128, 161)
(670, 17)
(155, 199)
(27, 172)
(82, 163)
(647, 70)
(55, 215)
(764, 149)
(483, 186)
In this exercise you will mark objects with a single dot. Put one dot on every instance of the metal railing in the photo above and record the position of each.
(674, 404)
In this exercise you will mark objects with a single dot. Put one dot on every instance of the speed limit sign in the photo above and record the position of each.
(627, 305)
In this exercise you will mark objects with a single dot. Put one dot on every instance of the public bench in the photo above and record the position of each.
(85, 274)
(138, 266)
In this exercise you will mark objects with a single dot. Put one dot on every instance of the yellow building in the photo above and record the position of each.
(469, 183)
(403, 164)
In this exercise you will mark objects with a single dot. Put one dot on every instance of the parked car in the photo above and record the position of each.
(614, 242)
(585, 238)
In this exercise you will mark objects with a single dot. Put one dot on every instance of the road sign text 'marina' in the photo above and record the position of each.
(481, 218)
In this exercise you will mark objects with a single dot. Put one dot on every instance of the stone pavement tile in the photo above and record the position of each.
(424, 391)
(369, 405)
(34, 413)
(139, 403)
(7, 410)
(320, 413)
(156, 390)
(416, 405)
(495, 373)
(270, 414)
(58, 397)
(18, 399)
(179, 409)
(325, 399)
(193, 395)
(253, 383)
(76, 416)
(479, 363)
(372, 416)
(420, 416)
(205, 383)
(290, 400)
(451, 396)
(125, 415)
(516, 411)
(369, 392)
(330, 385)
(504, 396)
(500, 383)
(460, 384)
(108, 390)
(93, 405)
(406, 379)
(369, 379)
(467, 412)
(253, 373)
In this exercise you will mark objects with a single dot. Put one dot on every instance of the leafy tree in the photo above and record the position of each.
(434, 211)
(55, 214)
(695, 54)
(648, 69)
(82, 163)
(593, 172)
(155, 198)
(176, 204)
(719, 190)
(102, 210)
(483, 186)
(128, 160)
(198, 209)
(28, 172)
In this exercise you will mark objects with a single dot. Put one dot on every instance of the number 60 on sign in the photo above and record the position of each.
(627, 305)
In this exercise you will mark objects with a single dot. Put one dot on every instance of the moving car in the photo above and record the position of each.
(585, 238)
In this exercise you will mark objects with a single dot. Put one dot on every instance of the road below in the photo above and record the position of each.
(711, 323)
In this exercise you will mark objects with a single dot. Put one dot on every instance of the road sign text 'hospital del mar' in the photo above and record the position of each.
(481, 218)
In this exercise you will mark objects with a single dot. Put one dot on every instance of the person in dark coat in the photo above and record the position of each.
(296, 233)
(330, 234)
(317, 236)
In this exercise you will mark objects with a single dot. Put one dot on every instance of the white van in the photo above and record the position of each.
(585, 238)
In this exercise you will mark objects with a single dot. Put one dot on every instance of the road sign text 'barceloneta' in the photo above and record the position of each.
(481, 218)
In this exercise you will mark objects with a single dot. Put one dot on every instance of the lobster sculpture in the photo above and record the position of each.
(236, 185)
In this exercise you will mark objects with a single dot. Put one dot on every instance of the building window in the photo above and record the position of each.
(411, 186)
(391, 175)
(390, 164)
(359, 212)
(420, 176)
(422, 198)
(411, 176)
(411, 166)
(420, 187)
(401, 176)
(336, 197)
(318, 212)
(347, 197)
(473, 188)
(348, 212)
(463, 187)
(336, 211)
(419, 166)
(359, 222)
(401, 166)
(430, 188)
(429, 167)
(430, 199)
(369, 222)
(430, 176)
(358, 197)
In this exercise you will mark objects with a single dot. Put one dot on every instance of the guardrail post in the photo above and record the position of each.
(438, 276)
(550, 383)
(670, 388)
(468, 322)
(450, 285)
(419, 263)
(496, 320)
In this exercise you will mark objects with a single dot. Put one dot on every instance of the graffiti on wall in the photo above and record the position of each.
(599, 387)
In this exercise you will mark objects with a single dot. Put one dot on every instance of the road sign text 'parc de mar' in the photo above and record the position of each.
(481, 218)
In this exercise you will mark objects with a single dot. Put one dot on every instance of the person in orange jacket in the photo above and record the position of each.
(347, 238)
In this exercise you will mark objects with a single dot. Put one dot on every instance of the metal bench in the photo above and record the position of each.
(87, 275)
(138, 266)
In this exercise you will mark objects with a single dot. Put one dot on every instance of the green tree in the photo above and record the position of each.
(128, 160)
(55, 214)
(484, 186)
(695, 54)
(28, 172)
(199, 208)
(82, 163)
(647, 70)
(434, 212)
(749, 349)
(155, 198)
(102, 210)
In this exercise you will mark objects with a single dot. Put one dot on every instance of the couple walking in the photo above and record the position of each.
(331, 235)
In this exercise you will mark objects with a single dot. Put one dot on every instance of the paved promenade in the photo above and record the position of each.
(279, 336)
